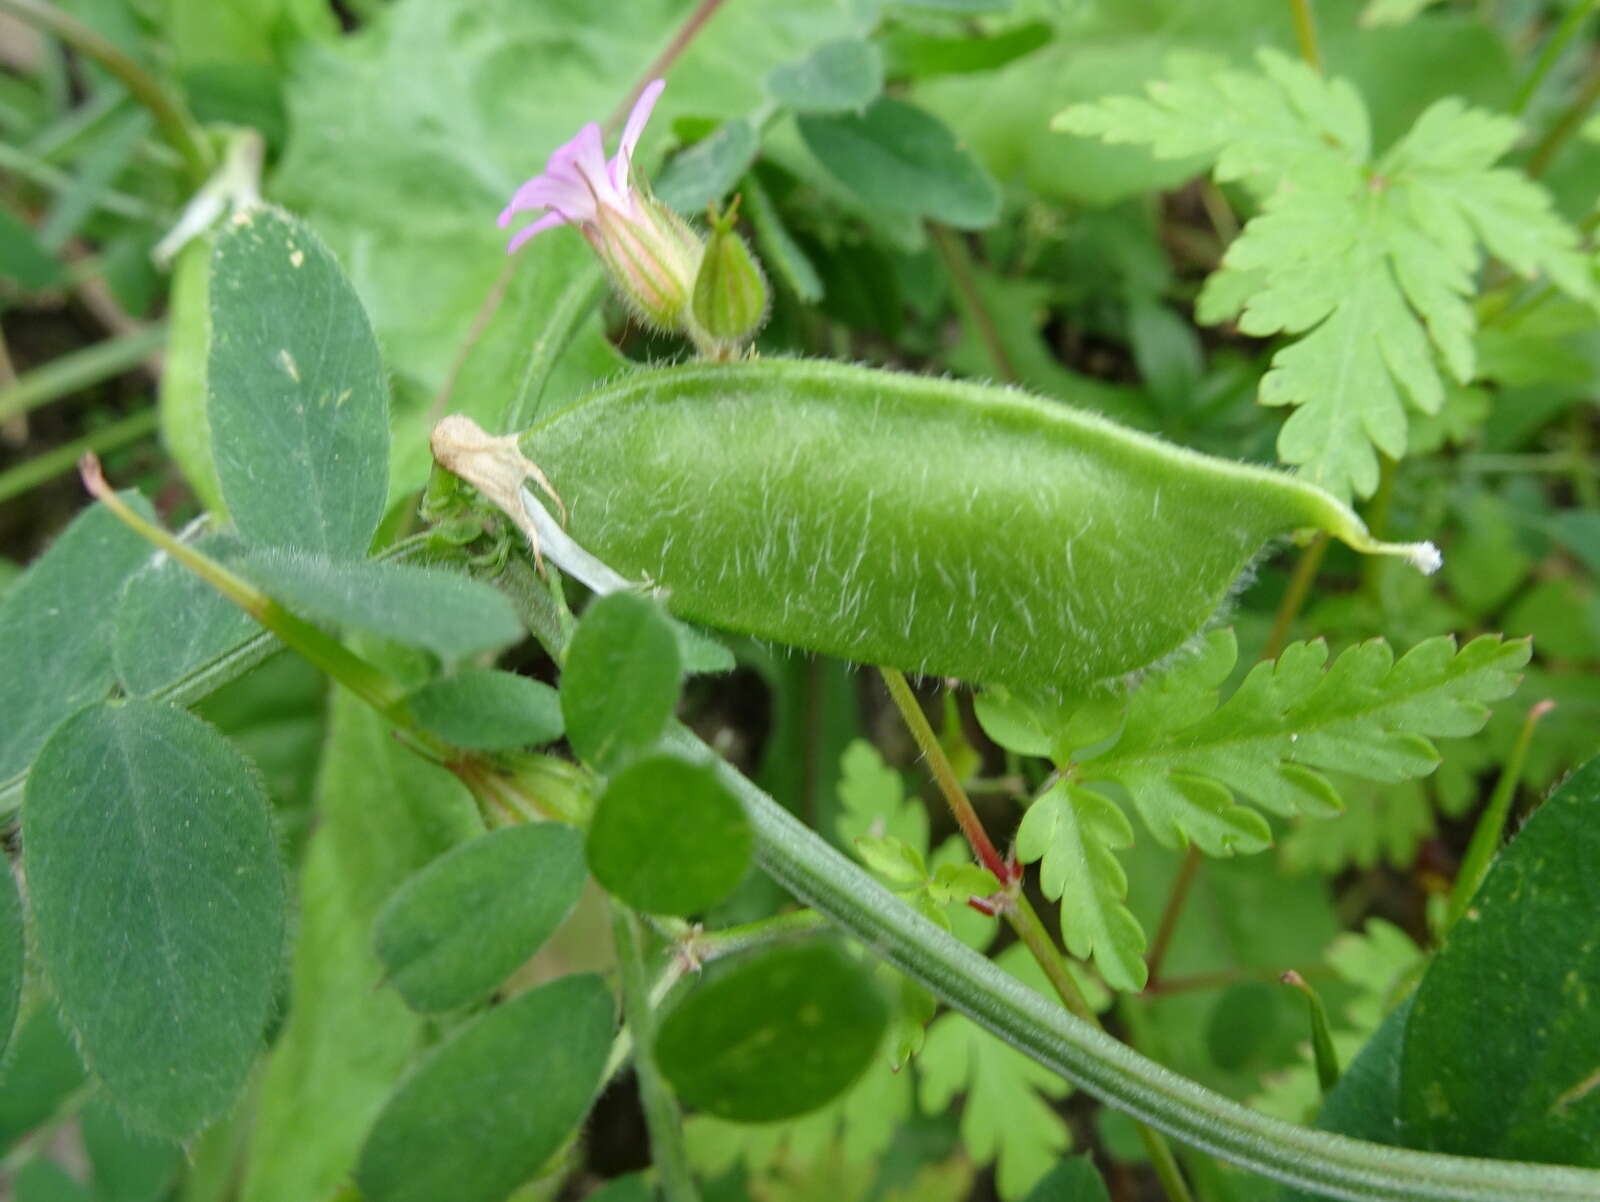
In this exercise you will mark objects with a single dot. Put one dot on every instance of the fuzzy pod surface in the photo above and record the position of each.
(936, 526)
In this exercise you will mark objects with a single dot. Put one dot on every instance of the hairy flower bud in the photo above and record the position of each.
(730, 293)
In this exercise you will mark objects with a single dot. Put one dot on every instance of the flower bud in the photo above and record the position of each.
(652, 257)
(730, 293)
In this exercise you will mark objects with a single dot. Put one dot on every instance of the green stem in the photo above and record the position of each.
(179, 128)
(1317, 1161)
(1572, 117)
(960, 805)
(1294, 597)
(1553, 49)
(324, 652)
(77, 370)
(1019, 913)
(661, 1113)
(959, 264)
(1305, 32)
(1177, 898)
(706, 946)
(28, 475)
(1486, 836)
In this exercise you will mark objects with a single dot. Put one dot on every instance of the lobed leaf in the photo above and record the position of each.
(1290, 721)
(1009, 1116)
(1072, 831)
(1372, 262)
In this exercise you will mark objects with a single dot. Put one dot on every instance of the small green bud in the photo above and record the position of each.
(730, 293)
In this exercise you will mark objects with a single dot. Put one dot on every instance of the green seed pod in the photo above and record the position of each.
(930, 525)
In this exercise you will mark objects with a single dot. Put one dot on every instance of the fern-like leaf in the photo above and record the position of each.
(1008, 1117)
(1193, 765)
(1371, 260)
(1073, 831)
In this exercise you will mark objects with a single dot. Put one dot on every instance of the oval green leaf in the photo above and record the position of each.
(484, 1112)
(777, 1035)
(897, 156)
(836, 77)
(456, 930)
(451, 615)
(1502, 1052)
(668, 837)
(159, 903)
(297, 399)
(619, 685)
(489, 710)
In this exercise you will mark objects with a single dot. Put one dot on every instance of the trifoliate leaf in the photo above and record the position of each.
(1373, 261)
(1008, 1117)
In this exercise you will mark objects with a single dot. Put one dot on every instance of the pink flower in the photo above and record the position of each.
(578, 183)
(650, 253)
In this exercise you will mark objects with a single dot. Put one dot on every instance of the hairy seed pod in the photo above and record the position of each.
(931, 525)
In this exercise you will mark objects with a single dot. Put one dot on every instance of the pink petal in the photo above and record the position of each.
(548, 221)
(622, 163)
(567, 193)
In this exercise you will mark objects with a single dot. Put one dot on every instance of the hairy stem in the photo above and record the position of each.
(173, 119)
(1334, 1165)
(324, 652)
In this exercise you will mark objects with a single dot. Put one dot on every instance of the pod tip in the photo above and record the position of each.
(1424, 557)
